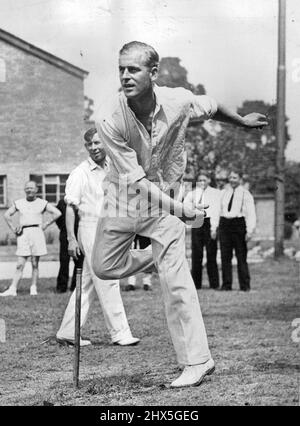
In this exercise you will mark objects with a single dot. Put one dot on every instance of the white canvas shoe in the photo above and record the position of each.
(193, 375)
(127, 341)
(33, 291)
(9, 292)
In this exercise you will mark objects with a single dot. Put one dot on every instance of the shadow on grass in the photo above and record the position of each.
(117, 384)
(277, 367)
(104, 389)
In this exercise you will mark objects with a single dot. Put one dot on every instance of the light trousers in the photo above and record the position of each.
(112, 259)
(108, 293)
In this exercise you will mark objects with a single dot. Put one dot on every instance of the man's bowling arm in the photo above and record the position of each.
(159, 198)
(252, 120)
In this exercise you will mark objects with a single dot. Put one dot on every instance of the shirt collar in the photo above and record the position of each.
(198, 188)
(235, 190)
(158, 99)
(94, 165)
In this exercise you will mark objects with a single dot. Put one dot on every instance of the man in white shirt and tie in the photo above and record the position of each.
(206, 236)
(237, 225)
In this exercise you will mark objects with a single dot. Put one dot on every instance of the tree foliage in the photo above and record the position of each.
(172, 74)
(251, 151)
(292, 190)
(217, 147)
(88, 108)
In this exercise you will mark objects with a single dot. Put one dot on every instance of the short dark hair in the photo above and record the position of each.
(88, 136)
(237, 171)
(152, 57)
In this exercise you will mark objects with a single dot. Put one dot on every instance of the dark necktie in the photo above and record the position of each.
(230, 202)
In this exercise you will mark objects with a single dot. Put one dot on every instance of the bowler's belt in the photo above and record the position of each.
(29, 226)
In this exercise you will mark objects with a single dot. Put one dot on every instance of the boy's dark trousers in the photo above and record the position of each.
(201, 238)
(233, 237)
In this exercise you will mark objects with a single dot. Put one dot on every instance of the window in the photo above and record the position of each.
(50, 187)
(2, 71)
(3, 200)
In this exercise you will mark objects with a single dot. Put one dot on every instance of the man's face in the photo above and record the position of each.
(203, 181)
(30, 191)
(221, 182)
(95, 149)
(135, 77)
(234, 179)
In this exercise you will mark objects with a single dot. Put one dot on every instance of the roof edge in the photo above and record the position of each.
(42, 54)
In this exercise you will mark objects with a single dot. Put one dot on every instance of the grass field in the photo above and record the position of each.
(257, 363)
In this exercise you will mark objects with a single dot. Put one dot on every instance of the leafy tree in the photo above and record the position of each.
(217, 147)
(172, 74)
(252, 151)
(88, 108)
(292, 191)
(223, 145)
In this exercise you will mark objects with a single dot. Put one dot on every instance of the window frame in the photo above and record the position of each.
(57, 180)
(4, 204)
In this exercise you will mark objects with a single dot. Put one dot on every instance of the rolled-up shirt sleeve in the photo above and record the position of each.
(74, 188)
(215, 210)
(250, 213)
(203, 106)
(122, 156)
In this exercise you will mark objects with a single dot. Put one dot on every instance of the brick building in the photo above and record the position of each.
(41, 121)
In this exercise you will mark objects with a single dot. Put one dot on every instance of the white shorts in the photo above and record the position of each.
(31, 243)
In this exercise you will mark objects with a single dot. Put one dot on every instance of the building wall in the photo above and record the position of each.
(41, 120)
(265, 212)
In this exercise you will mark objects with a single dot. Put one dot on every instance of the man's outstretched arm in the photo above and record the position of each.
(253, 120)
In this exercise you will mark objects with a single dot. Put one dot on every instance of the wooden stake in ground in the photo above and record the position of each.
(77, 327)
(280, 131)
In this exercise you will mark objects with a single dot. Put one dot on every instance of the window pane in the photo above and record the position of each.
(62, 190)
(63, 178)
(51, 198)
(51, 179)
(51, 193)
(50, 189)
(37, 178)
(2, 190)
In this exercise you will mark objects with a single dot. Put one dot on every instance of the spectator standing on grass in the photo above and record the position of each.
(64, 257)
(206, 236)
(30, 234)
(84, 193)
(237, 225)
(143, 131)
(140, 243)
